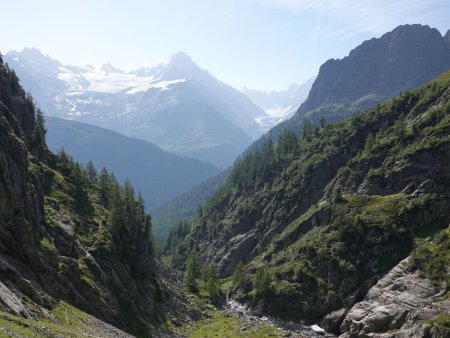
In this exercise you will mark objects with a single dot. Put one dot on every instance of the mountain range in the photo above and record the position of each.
(157, 174)
(370, 68)
(175, 104)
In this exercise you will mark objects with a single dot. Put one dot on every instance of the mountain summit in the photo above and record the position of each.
(447, 36)
(404, 58)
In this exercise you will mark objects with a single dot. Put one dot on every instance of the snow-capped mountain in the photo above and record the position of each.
(175, 104)
(279, 105)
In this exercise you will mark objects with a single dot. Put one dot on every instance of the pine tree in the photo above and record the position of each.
(103, 185)
(64, 162)
(399, 127)
(239, 277)
(91, 172)
(212, 284)
(39, 131)
(262, 282)
(191, 271)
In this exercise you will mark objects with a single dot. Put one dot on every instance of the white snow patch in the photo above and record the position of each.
(280, 111)
(163, 85)
(96, 80)
(274, 116)
(113, 82)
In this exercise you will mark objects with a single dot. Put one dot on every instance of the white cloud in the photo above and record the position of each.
(358, 16)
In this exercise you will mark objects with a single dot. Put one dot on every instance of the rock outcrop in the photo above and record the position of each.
(401, 304)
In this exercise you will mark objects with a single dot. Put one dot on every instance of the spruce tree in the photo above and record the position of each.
(239, 277)
(262, 282)
(39, 131)
(91, 172)
(212, 284)
(191, 271)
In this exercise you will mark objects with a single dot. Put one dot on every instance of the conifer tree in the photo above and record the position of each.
(239, 277)
(103, 185)
(212, 284)
(39, 131)
(262, 282)
(64, 162)
(192, 270)
(91, 172)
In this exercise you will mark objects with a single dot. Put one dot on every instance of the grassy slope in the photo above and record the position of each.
(64, 320)
(102, 249)
(362, 227)
(341, 244)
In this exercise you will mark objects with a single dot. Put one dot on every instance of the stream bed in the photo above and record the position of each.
(288, 329)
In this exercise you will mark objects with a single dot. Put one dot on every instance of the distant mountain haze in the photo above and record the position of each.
(218, 122)
(279, 105)
(158, 174)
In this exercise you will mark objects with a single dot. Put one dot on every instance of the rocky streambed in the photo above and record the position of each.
(287, 329)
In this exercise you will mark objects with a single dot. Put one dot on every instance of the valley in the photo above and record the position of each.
(163, 202)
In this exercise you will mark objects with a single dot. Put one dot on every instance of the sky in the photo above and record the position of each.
(259, 44)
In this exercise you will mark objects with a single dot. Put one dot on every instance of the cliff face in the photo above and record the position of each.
(63, 235)
(328, 214)
(21, 191)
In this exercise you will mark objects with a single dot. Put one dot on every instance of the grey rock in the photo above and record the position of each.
(401, 303)
(332, 321)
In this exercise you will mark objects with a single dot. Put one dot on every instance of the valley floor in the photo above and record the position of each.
(234, 320)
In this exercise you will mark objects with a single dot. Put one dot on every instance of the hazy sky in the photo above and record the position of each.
(261, 44)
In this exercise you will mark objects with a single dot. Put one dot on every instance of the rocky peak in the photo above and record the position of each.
(36, 56)
(33, 60)
(181, 66)
(180, 58)
(406, 57)
(447, 36)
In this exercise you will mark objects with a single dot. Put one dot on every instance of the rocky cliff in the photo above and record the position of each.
(69, 235)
